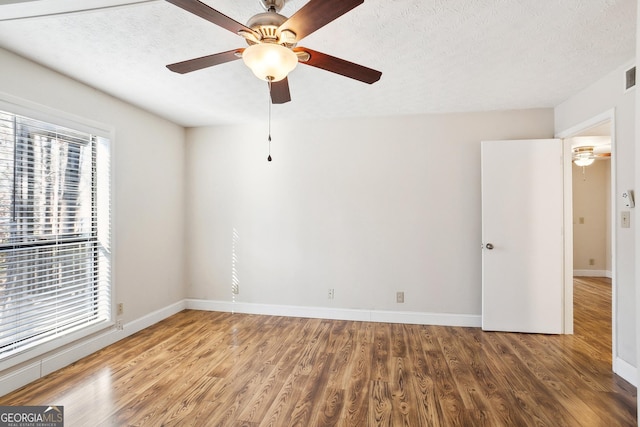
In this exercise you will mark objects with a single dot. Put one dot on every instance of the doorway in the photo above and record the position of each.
(591, 184)
(590, 212)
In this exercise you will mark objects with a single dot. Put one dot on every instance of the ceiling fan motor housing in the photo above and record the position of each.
(266, 24)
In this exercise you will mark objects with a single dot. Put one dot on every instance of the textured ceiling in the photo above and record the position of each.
(436, 56)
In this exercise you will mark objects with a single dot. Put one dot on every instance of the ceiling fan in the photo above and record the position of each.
(585, 155)
(272, 38)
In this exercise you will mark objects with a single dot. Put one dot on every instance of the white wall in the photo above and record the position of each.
(365, 206)
(591, 222)
(606, 94)
(148, 169)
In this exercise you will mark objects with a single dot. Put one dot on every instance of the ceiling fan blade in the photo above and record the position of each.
(205, 61)
(202, 10)
(340, 66)
(316, 14)
(280, 91)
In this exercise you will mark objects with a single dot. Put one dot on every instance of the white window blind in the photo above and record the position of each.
(54, 232)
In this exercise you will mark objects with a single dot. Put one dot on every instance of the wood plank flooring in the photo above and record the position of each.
(218, 369)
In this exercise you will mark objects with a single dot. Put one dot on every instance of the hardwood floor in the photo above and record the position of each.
(219, 369)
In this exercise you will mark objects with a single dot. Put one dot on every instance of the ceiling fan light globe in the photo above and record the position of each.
(583, 161)
(270, 61)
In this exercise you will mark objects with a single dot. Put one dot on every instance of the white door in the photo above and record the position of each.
(522, 220)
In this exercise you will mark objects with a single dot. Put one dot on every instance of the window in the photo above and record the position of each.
(54, 234)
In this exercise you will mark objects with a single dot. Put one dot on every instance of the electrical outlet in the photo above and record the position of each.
(120, 309)
(331, 293)
(119, 325)
(235, 289)
(400, 297)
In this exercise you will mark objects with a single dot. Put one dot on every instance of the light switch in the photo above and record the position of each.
(625, 219)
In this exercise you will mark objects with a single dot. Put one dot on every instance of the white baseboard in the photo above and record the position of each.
(408, 317)
(19, 377)
(626, 371)
(592, 273)
(51, 362)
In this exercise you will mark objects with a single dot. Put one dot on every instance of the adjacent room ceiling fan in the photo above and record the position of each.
(272, 40)
(585, 155)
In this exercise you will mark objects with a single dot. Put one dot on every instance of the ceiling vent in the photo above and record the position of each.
(630, 78)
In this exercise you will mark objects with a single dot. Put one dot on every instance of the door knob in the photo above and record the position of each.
(489, 246)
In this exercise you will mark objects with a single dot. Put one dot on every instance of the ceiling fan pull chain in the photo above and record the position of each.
(269, 139)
